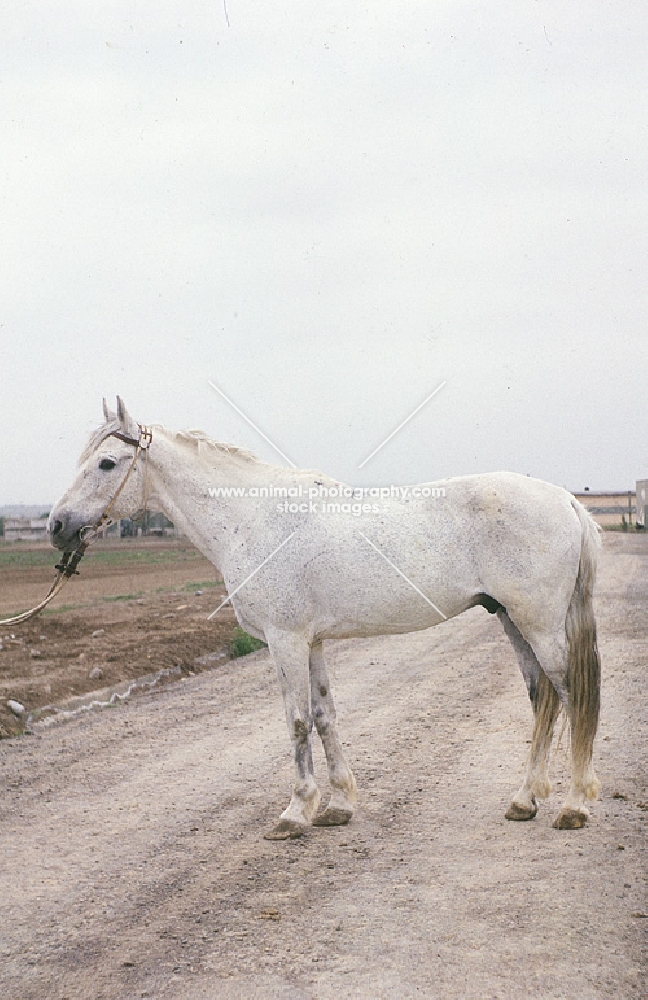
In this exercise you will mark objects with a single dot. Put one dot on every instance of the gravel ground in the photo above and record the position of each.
(133, 863)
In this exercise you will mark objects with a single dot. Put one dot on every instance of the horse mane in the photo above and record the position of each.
(197, 440)
(201, 442)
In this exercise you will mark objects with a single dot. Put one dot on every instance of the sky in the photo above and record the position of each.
(328, 210)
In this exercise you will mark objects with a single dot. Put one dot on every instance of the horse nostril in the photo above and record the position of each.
(58, 526)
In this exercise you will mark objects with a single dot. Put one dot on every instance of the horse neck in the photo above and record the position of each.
(180, 481)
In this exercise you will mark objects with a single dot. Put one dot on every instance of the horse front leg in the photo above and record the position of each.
(343, 786)
(290, 655)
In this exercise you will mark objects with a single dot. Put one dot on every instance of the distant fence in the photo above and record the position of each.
(30, 529)
(614, 509)
(642, 503)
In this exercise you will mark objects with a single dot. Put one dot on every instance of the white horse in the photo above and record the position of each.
(299, 572)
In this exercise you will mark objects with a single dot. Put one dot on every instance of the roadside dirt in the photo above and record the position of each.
(136, 608)
(133, 863)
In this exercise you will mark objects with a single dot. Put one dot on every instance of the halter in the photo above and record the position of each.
(142, 444)
(70, 560)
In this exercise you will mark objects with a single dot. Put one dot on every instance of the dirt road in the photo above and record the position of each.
(133, 864)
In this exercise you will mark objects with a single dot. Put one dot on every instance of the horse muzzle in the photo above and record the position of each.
(65, 531)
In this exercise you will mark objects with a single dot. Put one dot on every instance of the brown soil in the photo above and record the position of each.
(114, 622)
(133, 863)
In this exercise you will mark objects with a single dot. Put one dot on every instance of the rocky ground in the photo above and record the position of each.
(138, 607)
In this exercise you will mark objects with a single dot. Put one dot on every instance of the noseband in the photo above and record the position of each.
(70, 560)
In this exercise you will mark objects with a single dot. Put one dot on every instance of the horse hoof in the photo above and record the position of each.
(570, 819)
(519, 813)
(333, 817)
(286, 829)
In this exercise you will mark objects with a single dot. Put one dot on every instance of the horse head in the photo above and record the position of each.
(109, 480)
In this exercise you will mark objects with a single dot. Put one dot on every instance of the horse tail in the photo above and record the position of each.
(583, 680)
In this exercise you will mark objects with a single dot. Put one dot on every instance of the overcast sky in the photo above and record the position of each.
(328, 208)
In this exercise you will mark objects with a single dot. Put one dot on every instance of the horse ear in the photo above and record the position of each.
(128, 425)
(108, 414)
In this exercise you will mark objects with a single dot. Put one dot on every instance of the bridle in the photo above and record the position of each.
(141, 444)
(67, 567)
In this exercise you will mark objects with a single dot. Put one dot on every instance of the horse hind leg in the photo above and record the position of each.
(571, 660)
(582, 678)
(546, 706)
(343, 786)
(580, 697)
(579, 672)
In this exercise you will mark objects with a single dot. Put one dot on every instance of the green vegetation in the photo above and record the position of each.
(124, 597)
(242, 643)
(64, 607)
(11, 556)
(201, 586)
(123, 554)
(91, 604)
(126, 554)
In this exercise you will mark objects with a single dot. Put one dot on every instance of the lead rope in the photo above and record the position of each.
(70, 560)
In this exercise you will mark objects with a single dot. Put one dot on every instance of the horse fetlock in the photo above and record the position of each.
(590, 786)
(344, 784)
(541, 787)
(304, 803)
(341, 802)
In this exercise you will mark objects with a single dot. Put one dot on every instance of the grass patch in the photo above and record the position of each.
(124, 597)
(62, 608)
(202, 586)
(30, 557)
(243, 643)
(123, 554)
(127, 556)
(90, 604)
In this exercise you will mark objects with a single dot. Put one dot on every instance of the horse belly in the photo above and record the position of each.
(387, 603)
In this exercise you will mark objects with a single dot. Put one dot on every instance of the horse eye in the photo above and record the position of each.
(106, 464)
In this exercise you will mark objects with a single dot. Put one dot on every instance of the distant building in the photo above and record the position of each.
(642, 503)
(152, 523)
(610, 509)
(25, 529)
(34, 529)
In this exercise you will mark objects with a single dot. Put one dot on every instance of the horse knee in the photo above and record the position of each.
(322, 720)
(301, 729)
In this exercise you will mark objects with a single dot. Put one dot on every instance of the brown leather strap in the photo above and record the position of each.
(143, 442)
(142, 445)
(124, 437)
